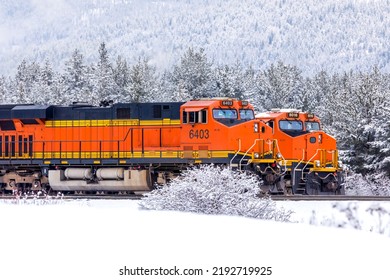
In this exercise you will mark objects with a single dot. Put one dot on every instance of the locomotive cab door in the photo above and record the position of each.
(195, 134)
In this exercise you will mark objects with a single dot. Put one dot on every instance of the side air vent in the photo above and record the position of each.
(7, 125)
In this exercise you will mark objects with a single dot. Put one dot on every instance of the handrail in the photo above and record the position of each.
(281, 155)
(310, 161)
(239, 165)
(294, 170)
(239, 149)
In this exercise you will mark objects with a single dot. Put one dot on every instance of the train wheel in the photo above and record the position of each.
(311, 190)
(281, 187)
(340, 191)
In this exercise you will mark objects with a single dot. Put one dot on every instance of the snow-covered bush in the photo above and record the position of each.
(374, 184)
(214, 190)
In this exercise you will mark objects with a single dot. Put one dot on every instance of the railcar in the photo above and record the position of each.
(124, 148)
(307, 157)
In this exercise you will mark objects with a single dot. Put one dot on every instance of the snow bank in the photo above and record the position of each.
(94, 240)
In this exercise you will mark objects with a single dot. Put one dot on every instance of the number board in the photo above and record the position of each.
(293, 115)
(227, 103)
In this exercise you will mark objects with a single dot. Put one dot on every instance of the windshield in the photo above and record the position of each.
(247, 114)
(224, 114)
(290, 125)
(312, 126)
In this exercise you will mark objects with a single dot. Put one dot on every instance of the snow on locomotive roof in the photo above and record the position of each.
(275, 110)
(263, 115)
(284, 110)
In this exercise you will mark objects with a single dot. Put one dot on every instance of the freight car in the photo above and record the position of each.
(127, 148)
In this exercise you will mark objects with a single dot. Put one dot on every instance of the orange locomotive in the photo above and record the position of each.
(307, 156)
(126, 148)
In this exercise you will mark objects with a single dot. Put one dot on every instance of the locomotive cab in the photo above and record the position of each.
(222, 131)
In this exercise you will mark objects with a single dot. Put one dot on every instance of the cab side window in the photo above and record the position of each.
(195, 117)
(271, 125)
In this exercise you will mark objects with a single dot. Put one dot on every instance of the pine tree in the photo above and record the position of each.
(41, 90)
(319, 87)
(230, 81)
(192, 78)
(122, 80)
(75, 78)
(26, 76)
(165, 88)
(3, 90)
(355, 104)
(103, 80)
(281, 86)
(142, 85)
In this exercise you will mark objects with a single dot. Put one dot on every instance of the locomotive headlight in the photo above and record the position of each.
(278, 155)
(317, 163)
(256, 155)
(256, 127)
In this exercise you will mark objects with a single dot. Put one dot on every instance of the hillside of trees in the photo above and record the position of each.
(353, 106)
(314, 35)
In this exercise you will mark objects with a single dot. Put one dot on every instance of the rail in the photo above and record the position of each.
(138, 197)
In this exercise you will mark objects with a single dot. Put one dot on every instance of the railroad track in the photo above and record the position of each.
(137, 197)
(73, 197)
(331, 197)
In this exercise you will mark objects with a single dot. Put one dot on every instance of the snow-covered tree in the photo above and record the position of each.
(103, 80)
(42, 87)
(3, 90)
(121, 75)
(230, 81)
(214, 190)
(165, 88)
(75, 78)
(378, 140)
(25, 78)
(281, 86)
(317, 88)
(372, 184)
(355, 105)
(142, 86)
(192, 78)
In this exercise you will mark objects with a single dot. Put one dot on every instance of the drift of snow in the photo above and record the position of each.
(95, 239)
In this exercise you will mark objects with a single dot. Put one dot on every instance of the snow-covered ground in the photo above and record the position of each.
(96, 239)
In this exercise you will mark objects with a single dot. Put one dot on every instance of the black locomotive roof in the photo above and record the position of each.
(24, 111)
(143, 111)
(29, 111)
